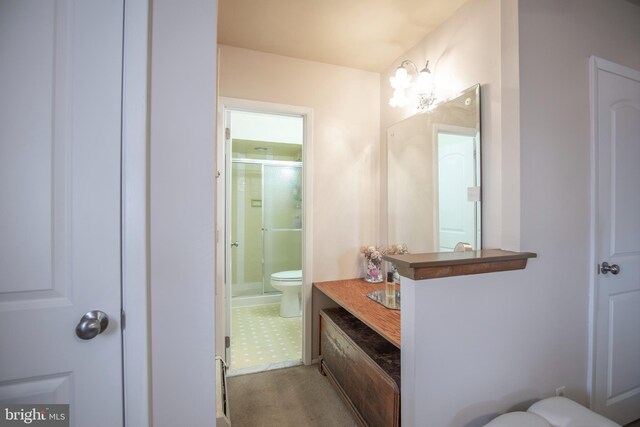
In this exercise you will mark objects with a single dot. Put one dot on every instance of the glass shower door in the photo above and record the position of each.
(246, 224)
(282, 220)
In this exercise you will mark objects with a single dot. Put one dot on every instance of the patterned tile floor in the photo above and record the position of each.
(259, 336)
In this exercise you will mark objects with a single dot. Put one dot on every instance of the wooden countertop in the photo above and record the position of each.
(445, 264)
(352, 296)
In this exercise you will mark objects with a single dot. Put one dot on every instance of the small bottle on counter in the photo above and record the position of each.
(391, 286)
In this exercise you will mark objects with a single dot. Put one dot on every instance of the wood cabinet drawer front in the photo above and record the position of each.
(371, 391)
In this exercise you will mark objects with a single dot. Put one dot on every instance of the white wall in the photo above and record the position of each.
(475, 346)
(345, 145)
(267, 127)
(181, 223)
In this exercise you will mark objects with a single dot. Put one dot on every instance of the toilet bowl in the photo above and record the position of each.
(290, 284)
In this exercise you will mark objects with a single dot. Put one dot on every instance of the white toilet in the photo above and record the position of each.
(290, 284)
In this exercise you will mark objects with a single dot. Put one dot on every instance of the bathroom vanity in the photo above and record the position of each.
(360, 340)
(360, 351)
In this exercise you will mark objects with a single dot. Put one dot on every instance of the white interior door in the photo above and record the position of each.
(616, 353)
(60, 148)
(456, 174)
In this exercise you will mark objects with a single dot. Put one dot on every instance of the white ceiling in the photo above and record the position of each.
(363, 34)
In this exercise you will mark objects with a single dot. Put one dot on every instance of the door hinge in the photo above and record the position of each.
(227, 133)
(227, 342)
(123, 320)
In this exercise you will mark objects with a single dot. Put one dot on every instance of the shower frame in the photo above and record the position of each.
(265, 162)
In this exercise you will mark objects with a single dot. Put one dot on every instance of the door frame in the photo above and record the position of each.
(595, 64)
(223, 301)
(134, 215)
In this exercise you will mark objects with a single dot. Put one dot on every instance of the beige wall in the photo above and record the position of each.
(345, 160)
(411, 172)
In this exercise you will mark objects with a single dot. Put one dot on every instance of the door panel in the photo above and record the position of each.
(60, 126)
(35, 391)
(624, 353)
(625, 171)
(617, 317)
(28, 131)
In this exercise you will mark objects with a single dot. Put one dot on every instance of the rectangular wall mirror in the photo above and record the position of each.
(433, 176)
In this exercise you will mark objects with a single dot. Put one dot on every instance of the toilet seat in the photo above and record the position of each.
(287, 276)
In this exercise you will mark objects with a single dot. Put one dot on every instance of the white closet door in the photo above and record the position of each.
(60, 147)
(617, 317)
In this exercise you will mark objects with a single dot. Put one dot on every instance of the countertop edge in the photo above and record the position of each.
(446, 264)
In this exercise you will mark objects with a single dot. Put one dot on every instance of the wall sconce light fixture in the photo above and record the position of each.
(422, 86)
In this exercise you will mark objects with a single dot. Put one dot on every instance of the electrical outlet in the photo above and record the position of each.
(560, 391)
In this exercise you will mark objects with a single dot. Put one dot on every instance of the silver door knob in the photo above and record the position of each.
(606, 268)
(234, 244)
(92, 324)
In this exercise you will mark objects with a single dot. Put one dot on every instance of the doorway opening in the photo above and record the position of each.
(264, 239)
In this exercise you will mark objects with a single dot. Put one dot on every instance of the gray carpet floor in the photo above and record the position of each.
(290, 397)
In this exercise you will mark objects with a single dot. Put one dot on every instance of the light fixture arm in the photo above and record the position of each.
(406, 62)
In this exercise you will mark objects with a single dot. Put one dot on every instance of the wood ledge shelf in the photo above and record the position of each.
(446, 264)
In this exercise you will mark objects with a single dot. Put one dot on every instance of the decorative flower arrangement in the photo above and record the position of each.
(398, 249)
(373, 259)
(372, 263)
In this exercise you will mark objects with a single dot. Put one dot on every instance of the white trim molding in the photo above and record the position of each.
(135, 301)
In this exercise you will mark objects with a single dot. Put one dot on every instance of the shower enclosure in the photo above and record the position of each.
(266, 224)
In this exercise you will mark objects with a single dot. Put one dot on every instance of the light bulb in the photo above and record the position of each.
(424, 82)
(398, 99)
(401, 80)
(401, 72)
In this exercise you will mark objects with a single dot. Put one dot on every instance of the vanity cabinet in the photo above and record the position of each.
(363, 366)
